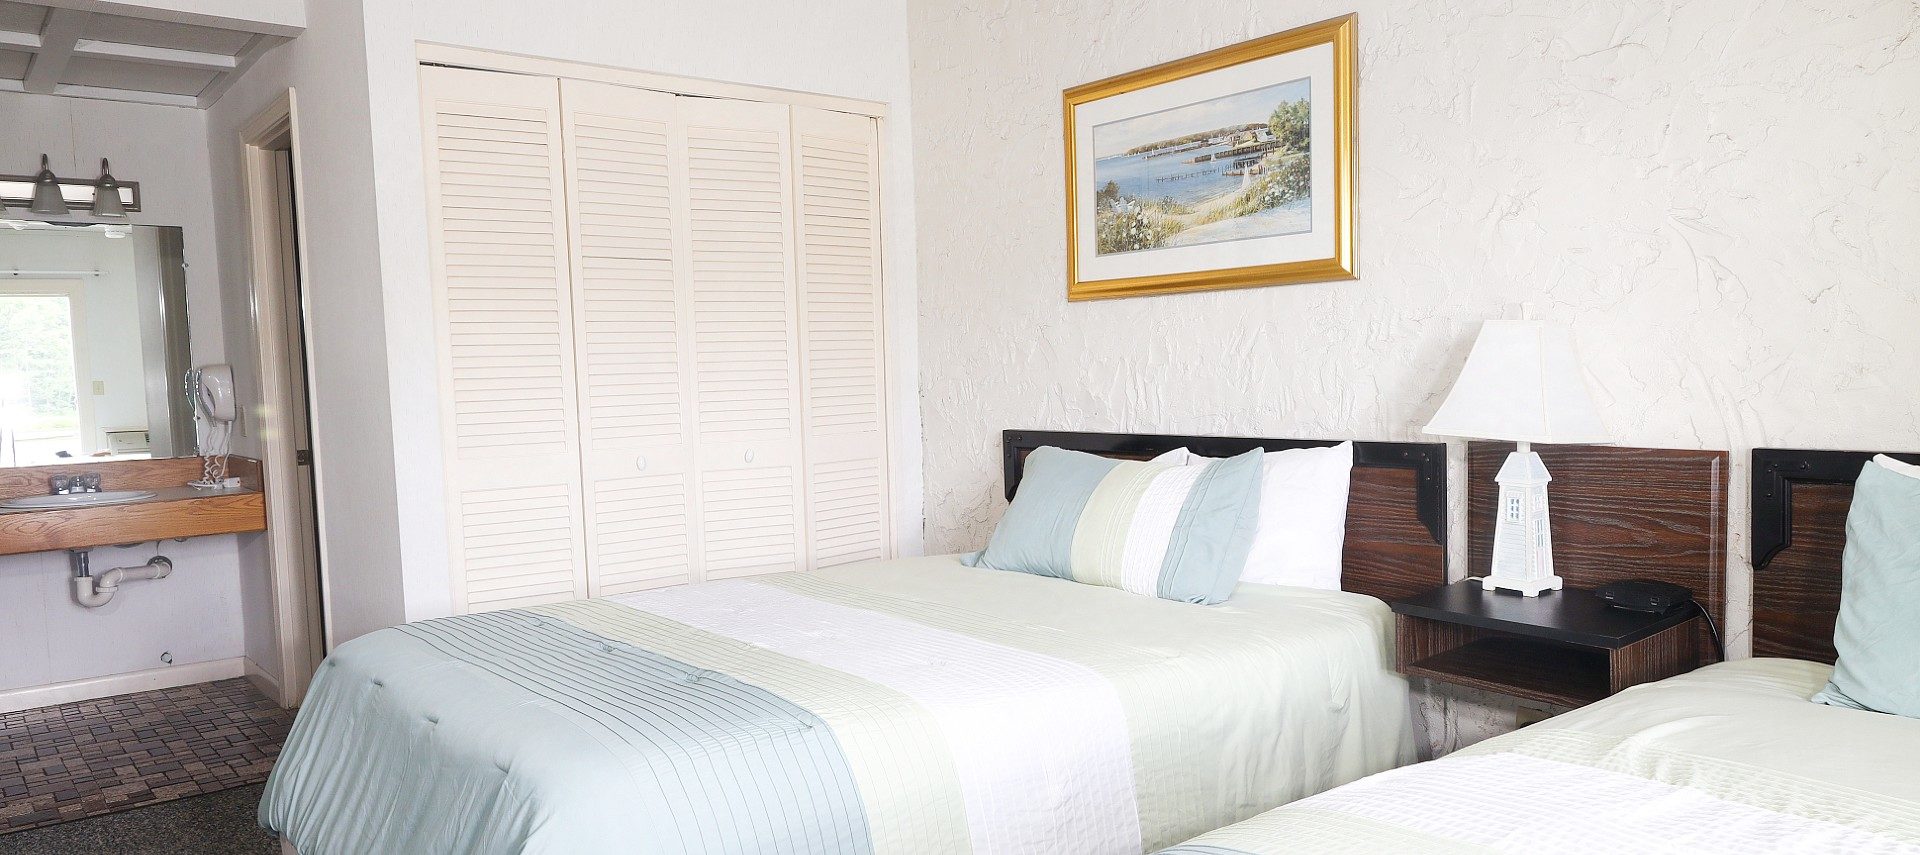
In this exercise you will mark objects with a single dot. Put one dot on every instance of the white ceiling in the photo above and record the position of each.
(132, 53)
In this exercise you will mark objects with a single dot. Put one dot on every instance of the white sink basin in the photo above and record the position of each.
(77, 500)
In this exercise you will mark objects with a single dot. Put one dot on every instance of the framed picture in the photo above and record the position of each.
(1229, 169)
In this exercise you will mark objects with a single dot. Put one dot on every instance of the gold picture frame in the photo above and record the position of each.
(1336, 261)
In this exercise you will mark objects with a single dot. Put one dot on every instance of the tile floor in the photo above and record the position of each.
(89, 758)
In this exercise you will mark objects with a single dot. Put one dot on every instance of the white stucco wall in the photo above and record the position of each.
(1720, 198)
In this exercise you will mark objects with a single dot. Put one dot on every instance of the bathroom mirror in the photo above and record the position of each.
(93, 343)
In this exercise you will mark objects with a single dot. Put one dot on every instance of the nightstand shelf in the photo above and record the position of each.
(1563, 647)
(1524, 668)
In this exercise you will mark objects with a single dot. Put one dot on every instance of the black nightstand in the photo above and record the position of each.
(1563, 647)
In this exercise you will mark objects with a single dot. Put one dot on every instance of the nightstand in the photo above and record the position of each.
(1563, 647)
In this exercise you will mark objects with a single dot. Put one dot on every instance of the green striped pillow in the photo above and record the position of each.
(1174, 532)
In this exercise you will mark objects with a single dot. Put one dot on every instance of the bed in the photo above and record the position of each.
(915, 705)
(1729, 758)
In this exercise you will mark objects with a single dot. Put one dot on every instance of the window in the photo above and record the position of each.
(42, 413)
(1514, 509)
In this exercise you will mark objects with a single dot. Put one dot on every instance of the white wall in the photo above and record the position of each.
(354, 441)
(195, 615)
(198, 614)
(855, 49)
(1721, 199)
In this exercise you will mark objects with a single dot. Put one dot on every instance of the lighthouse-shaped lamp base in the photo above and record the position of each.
(1522, 539)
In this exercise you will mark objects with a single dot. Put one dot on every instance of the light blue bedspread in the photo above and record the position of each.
(916, 706)
(624, 750)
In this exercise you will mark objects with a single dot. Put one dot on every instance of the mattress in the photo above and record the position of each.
(1732, 758)
(915, 705)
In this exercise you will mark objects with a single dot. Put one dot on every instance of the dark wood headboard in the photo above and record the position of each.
(1800, 502)
(1396, 506)
(1619, 513)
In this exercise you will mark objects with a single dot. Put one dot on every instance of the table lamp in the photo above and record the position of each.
(1522, 383)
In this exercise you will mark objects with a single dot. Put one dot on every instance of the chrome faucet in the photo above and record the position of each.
(80, 482)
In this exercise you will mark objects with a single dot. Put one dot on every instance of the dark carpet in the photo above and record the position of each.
(215, 824)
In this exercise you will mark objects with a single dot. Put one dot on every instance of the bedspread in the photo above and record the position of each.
(1732, 758)
(915, 706)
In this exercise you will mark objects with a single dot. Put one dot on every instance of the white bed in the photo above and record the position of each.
(1732, 758)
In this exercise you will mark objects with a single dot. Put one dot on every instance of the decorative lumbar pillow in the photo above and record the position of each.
(1303, 515)
(1175, 532)
(1879, 630)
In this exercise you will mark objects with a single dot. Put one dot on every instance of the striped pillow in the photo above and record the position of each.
(1174, 532)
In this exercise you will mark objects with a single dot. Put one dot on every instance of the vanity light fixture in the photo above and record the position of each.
(106, 194)
(47, 198)
(49, 195)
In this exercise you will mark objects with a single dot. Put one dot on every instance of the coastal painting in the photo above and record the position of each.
(1229, 169)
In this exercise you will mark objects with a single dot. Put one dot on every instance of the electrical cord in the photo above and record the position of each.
(1719, 647)
(213, 454)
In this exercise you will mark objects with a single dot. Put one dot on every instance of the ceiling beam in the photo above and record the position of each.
(148, 55)
(102, 93)
(57, 41)
(218, 86)
(286, 18)
(135, 96)
(19, 41)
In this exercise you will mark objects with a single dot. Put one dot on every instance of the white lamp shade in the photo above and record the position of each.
(1522, 383)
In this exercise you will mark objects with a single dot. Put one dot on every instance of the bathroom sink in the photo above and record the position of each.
(76, 500)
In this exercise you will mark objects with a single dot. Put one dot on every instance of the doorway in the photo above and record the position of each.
(271, 161)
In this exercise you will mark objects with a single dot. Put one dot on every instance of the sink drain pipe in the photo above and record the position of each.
(96, 591)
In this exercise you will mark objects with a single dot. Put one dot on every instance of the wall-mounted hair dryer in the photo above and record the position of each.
(211, 387)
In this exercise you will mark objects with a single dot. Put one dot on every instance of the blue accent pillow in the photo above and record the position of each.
(1878, 634)
(1159, 529)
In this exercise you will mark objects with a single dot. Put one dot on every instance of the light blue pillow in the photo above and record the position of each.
(1160, 529)
(1879, 630)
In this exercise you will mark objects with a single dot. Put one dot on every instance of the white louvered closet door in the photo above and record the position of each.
(626, 184)
(745, 334)
(504, 326)
(836, 164)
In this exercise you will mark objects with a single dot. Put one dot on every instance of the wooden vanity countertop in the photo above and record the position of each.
(175, 510)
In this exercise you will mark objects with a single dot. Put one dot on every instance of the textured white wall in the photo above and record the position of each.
(1722, 198)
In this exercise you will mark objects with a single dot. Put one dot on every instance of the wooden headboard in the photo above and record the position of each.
(1800, 502)
(1619, 513)
(1396, 507)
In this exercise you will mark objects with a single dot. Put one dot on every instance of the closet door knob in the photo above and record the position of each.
(640, 463)
(749, 455)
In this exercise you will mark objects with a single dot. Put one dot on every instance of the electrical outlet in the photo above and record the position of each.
(99, 387)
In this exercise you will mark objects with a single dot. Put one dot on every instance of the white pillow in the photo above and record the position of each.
(1303, 515)
(1896, 466)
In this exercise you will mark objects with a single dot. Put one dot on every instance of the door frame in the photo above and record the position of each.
(301, 617)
